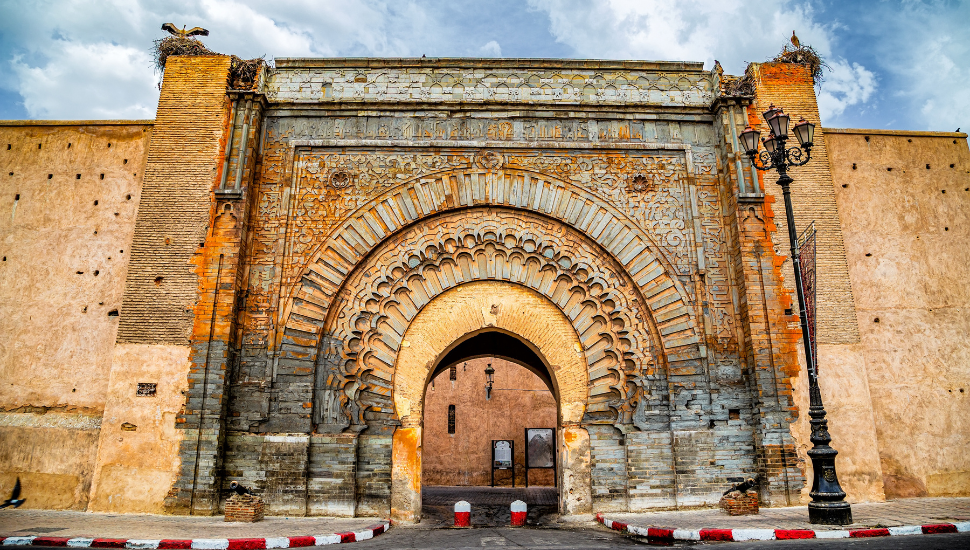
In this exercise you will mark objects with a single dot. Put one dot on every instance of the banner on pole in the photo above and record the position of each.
(806, 260)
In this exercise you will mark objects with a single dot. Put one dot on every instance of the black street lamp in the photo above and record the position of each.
(489, 378)
(828, 504)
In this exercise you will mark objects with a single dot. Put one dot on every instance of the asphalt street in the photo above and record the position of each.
(596, 538)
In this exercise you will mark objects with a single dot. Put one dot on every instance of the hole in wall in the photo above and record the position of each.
(96, 272)
(868, 254)
(10, 174)
(844, 185)
(95, 203)
(927, 166)
(867, 139)
(876, 320)
(68, 145)
(710, 423)
(943, 191)
(946, 229)
(95, 231)
(788, 311)
(80, 273)
(158, 280)
(50, 176)
(109, 145)
(77, 177)
(73, 390)
(113, 313)
(146, 389)
(734, 414)
(38, 145)
(85, 310)
(853, 166)
(889, 169)
(101, 176)
(910, 140)
(126, 161)
(16, 197)
(168, 240)
(127, 197)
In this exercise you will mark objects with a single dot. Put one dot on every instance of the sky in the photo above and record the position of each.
(894, 64)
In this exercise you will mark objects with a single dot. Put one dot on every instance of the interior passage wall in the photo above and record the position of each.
(69, 193)
(904, 203)
(519, 400)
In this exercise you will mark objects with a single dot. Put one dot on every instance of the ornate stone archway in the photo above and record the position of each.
(652, 185)
(364, 331)
(514, 309)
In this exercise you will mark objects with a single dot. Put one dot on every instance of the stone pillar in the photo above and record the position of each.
(575, 483)
(406, 477)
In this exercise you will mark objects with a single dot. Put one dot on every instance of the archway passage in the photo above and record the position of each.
(463, 421)
(464, 414)
(459, 325)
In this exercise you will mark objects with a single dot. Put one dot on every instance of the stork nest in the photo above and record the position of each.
(242, 72)
(804, 55)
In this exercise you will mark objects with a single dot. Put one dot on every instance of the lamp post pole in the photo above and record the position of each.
(828, 504)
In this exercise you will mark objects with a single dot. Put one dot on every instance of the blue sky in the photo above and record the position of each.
(895, 64)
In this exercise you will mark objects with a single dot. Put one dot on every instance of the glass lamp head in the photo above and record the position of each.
(749, 140)
(805, 132)
(770, 143)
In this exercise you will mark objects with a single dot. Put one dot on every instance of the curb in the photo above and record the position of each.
(656, 534)
(200, 544)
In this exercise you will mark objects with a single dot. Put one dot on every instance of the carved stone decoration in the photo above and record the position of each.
(490, 160)
(639, 183)
(340, 179)
(377, 301)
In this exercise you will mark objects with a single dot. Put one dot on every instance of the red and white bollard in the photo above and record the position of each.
(518, 513)
(463, 514)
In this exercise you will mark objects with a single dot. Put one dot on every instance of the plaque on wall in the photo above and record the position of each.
(502, 454)
(539, 448)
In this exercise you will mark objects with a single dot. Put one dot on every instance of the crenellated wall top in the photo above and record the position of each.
(491, 81)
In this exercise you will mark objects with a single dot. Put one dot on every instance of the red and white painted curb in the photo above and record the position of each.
(463, 514)
(519, 511)
(737, 535)
(201, 544)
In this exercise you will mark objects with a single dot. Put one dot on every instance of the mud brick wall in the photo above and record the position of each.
(174, 211)
(790, 87)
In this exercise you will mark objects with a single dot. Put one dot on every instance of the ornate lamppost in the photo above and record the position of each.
(489, 378)
(828, 504)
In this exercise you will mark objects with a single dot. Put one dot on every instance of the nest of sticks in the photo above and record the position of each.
(804, 55)
(242, 72)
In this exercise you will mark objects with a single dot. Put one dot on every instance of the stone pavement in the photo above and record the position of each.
(146, 526)
(893, 513)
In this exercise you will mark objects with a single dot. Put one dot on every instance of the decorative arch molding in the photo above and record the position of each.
(302, 314)
(367, 319)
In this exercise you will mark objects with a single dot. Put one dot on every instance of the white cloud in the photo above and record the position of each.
(733, 31)
(97, 81)
(491, 49)
(845, 84)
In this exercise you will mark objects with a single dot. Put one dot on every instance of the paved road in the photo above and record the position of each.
(559, 539)
(597, 538)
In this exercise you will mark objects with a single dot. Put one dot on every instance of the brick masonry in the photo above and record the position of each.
(244, 508)
(737, 503)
